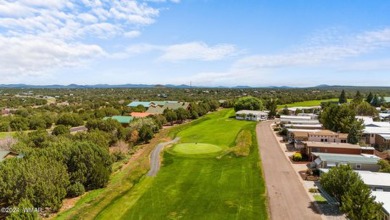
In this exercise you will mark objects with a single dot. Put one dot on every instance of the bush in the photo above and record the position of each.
(297, 156)
(75, 190)
(313, 190)
(118, 156)
(283, 132)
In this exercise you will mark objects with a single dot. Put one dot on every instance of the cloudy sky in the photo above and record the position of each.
(206, 42)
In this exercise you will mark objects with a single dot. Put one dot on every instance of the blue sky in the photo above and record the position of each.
(206, 42)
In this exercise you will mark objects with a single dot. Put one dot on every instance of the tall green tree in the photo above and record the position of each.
(339, 118)
(358, 203)
(354, 134)
(358, 98)
(338, 181)
(342, 97)
(272, 106)
(375, 101)
(369, 97)
(285, 110)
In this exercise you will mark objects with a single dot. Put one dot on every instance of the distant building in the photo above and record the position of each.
(124, 120)
(335, 148)
(251, 115)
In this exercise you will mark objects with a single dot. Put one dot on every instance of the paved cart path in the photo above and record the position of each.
(155, 157)
(287, 196)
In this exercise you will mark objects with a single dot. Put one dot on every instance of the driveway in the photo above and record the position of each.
(286, 194)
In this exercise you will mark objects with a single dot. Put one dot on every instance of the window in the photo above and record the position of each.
(372, 135)
(322, 140)
(358, 166)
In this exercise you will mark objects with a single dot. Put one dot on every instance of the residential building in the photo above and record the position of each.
(335, 148)
(357, 162)
(124, 120)
(251, 115)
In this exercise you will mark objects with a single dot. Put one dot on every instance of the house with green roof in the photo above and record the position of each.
(5, 154)
(137, 103)
(124, 120)
(357, 162)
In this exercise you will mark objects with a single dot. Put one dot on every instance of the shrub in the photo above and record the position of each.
(283, 131)
(313, 190)
(297, 156)
(76, 189)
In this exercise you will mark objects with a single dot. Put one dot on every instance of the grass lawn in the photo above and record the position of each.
(6, 134)
(309, 103)
(319, 198)
(199, 188)
(195, 148)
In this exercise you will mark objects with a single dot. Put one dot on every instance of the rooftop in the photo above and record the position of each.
(383, 197)
(376, 130)
(304, 121)
(246, 112)
(3, 154)
(331, 145)
(372, 179)
(350, 158)
(140, 114)
(121, 119)
(137, 103)
(293, 117)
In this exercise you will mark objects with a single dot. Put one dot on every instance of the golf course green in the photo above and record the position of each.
(195, 149)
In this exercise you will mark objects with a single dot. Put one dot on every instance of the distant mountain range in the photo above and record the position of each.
(182, 86)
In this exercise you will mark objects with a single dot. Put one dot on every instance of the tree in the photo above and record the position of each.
(285, 110)
(248, 103)
(182, 114)
(170, 115)
(339, 118)
(338, 181)
(272, 106)
(385, 166)
(342, 97)
(369, 98)
(358, 203)
(365, 109)
(375, 101)
(24, 211)
(145, 133)
(354, 135)
(60, 130)
(358, 98)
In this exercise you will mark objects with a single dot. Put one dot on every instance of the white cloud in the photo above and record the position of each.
(197, 51)
(38, 35)
(132, 34)
(187, 51)
(33, 55)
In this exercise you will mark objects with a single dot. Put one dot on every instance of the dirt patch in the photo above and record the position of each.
(303, 174)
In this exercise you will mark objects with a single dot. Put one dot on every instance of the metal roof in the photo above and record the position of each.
(383, 197)
(136, 103)
(246, 112)
(376, 130)
(349, 158)
(372, 179)
(3, 154)
(331, 145)
(121, 119)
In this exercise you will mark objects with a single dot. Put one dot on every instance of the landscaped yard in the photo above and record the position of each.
(190, 187)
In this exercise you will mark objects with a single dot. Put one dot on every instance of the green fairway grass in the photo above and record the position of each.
(309, 103)
(199, 188)
(195, 148)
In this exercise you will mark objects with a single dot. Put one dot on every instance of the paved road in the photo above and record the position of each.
(287, 196)
(155, 157)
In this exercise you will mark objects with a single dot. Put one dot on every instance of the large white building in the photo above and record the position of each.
(251, 115)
